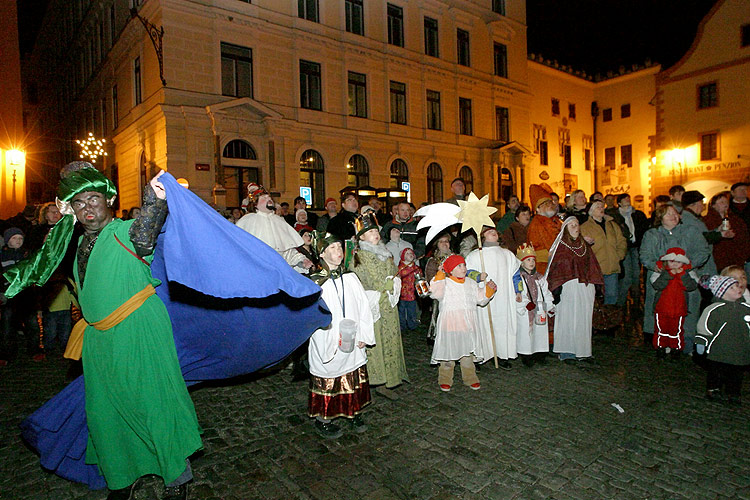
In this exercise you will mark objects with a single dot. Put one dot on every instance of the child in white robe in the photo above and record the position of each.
(532, 338)
(339, 386)
(456, 331)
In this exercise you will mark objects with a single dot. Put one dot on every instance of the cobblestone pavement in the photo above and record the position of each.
(546, 432)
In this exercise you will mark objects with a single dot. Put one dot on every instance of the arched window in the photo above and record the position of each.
(239, 150)
(311, 174)
(357, 171)
(468, 176)
(399, 173)
(434, 183)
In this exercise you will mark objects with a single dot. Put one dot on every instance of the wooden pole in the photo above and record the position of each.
(489, 311)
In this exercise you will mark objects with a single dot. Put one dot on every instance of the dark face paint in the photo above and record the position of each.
(91, 210)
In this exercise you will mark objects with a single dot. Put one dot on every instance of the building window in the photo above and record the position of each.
(468, 176)
(572, 111)
(431, 37)
(609, 158)
(626, 155)
(308, 9)
(587, 159)
(112, 25)
(312, 175)
(433, 110)
(357, 94)
(357, 171)
(137, 95)
(501, 60)
(462, 47)
(607, 115)
(355, 22)
(115, 109)
(239, 150)
(567, 156)
(745, 35)
(309, 85)
(555, 107)
(498, 6)
(543, 153)
(708, 95)
(502, 124)
(625, 111)
(395, 25)
(236, 70)
(709, 146)
(399, 173)
(103, 107)
(434, 183)
(464, 116)
(398, 103)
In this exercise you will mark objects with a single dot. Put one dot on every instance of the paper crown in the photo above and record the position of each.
(255, 191)
(525, 251)
(365, 222)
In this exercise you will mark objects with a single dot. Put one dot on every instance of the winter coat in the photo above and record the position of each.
(609, 247)
(734, 251)
(671, 292)
(724, 328)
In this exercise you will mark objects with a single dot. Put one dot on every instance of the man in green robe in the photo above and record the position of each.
(140, 417)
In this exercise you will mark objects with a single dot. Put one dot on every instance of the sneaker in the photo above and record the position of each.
(504, 364)
(124, 493)
(445, 387)
(327, 430)
(475, 387)
(175, 492)
(358, 424)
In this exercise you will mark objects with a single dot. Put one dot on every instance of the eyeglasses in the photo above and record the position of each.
(95, 200)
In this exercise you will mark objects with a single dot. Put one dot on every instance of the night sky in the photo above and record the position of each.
(591, 35)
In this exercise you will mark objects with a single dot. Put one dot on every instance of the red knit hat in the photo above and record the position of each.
(451, 262)
(676, 253)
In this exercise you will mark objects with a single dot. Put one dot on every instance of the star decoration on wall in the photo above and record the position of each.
(91, 148)
(475, 213)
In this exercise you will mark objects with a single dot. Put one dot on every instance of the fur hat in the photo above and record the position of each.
(525, 251)
(451, 262)
(717, 284)
(676, 253)
(690, 197)
(364, 223)
(298, 212)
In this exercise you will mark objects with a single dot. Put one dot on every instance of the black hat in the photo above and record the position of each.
(365, 222)
(690, 197)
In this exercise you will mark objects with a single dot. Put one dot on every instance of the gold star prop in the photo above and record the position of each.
(475, 213)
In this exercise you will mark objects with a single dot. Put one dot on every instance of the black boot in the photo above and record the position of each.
(124, 493)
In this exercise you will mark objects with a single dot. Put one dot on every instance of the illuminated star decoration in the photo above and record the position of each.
(91, 148)
(475, 213)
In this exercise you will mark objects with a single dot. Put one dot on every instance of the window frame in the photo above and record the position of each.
(357, 94)
(137, 81)
(467, 174)
(498, 7)
(713, 99)
(236, 60)
(502, 123)
(359, 170)
(433, 110)
(397, 102)
(306, 83)
(571, 111)
(500, 59)
(401, 173)
(626, 158)
(354, 13)
(613, 153)
(115, 108)
(431, 37)
(625, 110)
(316, 176)
(465, 117)
(607, 115)
(543, 153)
(395, 24)
(434, 183)
(304, 7)
(463, 47)
(567, 156)
(717, 146)
(555, 106)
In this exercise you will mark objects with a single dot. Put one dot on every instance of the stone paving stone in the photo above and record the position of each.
(545, 432)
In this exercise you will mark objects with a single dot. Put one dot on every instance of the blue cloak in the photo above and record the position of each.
(235, 305)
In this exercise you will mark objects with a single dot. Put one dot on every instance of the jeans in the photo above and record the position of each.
(631, 281)
(610, 288)
(57, 326)
(407, 314)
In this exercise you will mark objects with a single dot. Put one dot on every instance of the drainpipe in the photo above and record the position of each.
(595, 115)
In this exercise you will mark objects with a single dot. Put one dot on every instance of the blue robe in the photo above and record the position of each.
(235, 307)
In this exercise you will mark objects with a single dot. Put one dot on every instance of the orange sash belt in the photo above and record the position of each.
(75, 343)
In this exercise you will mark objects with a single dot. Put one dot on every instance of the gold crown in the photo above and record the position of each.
(524, 251)
(365, 222)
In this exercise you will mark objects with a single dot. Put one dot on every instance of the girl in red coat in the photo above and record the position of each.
(672, 281)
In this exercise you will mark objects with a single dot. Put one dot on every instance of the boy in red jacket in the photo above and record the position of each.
(672, 282)
(407, 304)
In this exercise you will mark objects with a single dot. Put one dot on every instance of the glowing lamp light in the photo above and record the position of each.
(15, 158)
(91, 148)
(183, 182)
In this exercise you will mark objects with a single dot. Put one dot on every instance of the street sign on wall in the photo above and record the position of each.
(306, 193)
